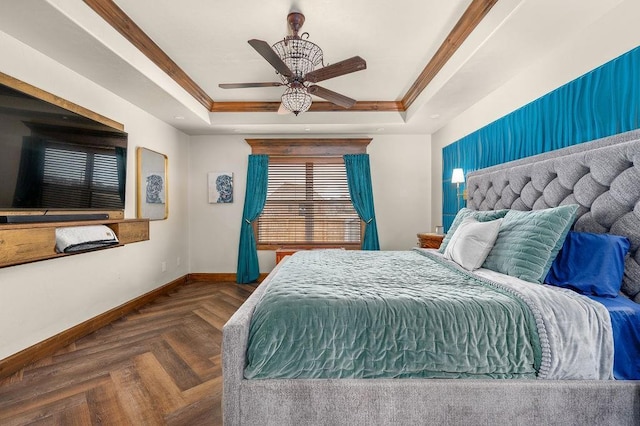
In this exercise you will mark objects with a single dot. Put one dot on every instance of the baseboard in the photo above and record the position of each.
(217, 277)
(212, 277)
(49, 346)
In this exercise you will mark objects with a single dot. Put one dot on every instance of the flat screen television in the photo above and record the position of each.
(52, 159)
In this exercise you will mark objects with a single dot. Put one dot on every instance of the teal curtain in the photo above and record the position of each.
(603, 102)
(255, 197)
(359, 181)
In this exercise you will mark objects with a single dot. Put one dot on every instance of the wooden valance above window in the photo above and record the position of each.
(309, 147)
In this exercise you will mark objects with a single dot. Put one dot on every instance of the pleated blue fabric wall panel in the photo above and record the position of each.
(602, 102)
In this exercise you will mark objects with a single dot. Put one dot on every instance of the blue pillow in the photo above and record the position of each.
(590, 264)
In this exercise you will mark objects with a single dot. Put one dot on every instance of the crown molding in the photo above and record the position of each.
(119, 20)
(382, 106)
(469, 20)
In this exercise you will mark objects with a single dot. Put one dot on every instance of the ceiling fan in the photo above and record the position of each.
(295, 60)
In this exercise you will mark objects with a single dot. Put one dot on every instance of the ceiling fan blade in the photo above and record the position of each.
(263, 48)
(335, 70)
(244, 85)
(331, 96)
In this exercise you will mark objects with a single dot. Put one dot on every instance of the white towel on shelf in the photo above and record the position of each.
(71, 239)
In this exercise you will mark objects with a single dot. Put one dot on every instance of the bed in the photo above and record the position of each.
(602, 180)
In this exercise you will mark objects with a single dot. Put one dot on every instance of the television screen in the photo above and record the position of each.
(52, 158)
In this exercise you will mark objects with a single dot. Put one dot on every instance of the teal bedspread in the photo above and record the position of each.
(371, 314)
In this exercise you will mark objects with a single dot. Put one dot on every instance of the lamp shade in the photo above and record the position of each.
(457, 176)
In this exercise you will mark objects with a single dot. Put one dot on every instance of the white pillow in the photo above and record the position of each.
(472, 241)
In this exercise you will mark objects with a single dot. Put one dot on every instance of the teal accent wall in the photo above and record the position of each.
(600, 103)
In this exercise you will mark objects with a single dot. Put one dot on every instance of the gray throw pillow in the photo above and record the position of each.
(529, 241)
(480, 216)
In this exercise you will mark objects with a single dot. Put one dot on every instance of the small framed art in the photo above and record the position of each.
(220, 186)
(151, 200)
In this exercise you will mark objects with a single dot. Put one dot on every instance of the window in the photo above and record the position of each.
(308, 203)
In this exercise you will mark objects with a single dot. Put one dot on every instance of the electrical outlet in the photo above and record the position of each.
(178, 261)
(163, 265)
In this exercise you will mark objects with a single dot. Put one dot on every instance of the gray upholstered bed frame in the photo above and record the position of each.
(603, 177)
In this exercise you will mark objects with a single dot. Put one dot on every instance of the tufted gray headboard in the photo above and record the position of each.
(602, 177)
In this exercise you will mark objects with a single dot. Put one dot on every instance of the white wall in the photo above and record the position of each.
(214, 231)
(609, 37)
(41, 299)
(401, 182)
(401, 185)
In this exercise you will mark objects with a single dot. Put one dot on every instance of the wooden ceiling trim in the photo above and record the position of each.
(363, 106)
(382, 106)
(119, 20)
(470, 19)
(30, 90)
(245, 106)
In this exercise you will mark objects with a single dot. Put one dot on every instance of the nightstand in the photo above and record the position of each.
(430, 240)
(281, 253)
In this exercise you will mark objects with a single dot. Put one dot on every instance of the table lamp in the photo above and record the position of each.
(457, 177)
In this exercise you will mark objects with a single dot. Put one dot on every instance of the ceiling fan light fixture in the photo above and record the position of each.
(300, 55)
(296, 60)
(296, 99)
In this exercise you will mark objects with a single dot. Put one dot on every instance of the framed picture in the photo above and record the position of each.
(154, 188)
(220, 187)
(151, 200)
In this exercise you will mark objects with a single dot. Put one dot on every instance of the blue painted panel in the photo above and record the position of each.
(603, 102)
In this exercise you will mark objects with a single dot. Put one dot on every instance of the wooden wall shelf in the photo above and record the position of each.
(30, 242)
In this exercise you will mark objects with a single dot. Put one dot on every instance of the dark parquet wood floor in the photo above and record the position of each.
(158, 366)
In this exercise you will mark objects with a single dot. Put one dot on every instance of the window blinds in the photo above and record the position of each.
(308, 202)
